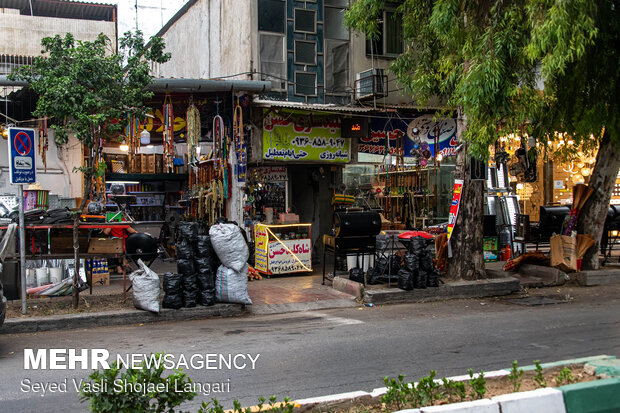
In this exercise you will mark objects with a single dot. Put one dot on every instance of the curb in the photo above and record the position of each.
(459, 289)
(598, 277)
(125, 317)
(573, 398)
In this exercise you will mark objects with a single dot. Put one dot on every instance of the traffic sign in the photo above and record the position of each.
(22, 169)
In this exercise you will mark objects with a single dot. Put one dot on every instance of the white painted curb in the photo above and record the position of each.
(545, 400)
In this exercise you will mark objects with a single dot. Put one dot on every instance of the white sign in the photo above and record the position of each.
(272, 173)
(558, 184)
(290, 256)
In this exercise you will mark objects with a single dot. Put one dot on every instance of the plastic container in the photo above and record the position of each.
(42, 276)
(55, 275)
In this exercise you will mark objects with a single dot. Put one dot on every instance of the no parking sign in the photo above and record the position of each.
(22, 169)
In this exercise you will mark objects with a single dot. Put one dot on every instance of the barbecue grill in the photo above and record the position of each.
(612, 223)
(354, 233)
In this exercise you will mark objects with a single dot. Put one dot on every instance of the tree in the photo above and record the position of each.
(481, 58)
(470, 55)
(578, 45)
(87, 89)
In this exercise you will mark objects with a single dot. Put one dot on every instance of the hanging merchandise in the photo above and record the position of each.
(43, 142)
(193, 131)
(220, 152)
(168, 135)
(240, 147)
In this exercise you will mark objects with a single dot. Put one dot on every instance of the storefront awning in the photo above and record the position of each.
(314, 107)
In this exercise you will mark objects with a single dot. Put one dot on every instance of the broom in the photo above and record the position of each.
(581, 193)
(584, 242)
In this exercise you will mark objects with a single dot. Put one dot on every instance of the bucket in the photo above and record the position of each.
(55, 275)
(42, 276)
(31, 281)
(351, 262)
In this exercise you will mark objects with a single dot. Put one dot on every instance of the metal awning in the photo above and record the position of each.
(313, 107)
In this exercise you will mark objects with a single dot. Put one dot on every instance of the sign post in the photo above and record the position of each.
(22, 170)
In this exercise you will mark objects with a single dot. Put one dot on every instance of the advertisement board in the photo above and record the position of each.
(293, 137)
(22, 168)
(454, 207)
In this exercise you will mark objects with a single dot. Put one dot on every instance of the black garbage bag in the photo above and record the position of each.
(405, 280)
(420, 279)
(251, 256)
(382, 242)
(186, 267)
(341, 263)
(356, 274)
(188, 231)
(202, 264)
(204, 249)
(395, 263)
(189, 298)
(190, 282)
(206, 279)
(417, 244)
(183, 250)
(411, 262)
(206, 297)
(426, 262)
(173, 283)
(433, 278)
(375, 276)
(381, 265)
(173, 301)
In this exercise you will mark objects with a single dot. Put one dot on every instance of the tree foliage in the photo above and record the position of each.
(86, 87)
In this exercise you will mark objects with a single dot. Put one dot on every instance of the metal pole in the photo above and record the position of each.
(22, 247)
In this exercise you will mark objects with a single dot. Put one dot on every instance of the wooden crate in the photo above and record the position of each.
(102, 278)
(105, 246)
(159, 163)
(134, 165)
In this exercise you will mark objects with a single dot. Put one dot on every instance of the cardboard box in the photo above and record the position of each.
(102, 278)
(490, 244)
(490, 256)
(105, 246)
(289, 218)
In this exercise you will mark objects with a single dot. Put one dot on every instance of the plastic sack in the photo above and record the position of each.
(189, 298)
(202, 264)
(172, 301)
(232, 286)
(375, 275)
(411, 262)
(229, 246)
(190, 282)
(420, 279)
(145, 288)
(173, 283)
(382, 242)
(185, 267)
(206, 297)
(433, 278)
(426, 262)
(204, 249)
(417, 244)
(395, 262)
(183, 250)
(206, 280)
(188, 231)
(356, 274)
(405, 280)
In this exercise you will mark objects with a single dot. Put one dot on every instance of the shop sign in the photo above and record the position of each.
(272, 173)
(454, 207)
(289, 255)
(392, 128)
(290, 136)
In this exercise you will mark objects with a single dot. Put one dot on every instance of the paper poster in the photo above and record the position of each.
(454, 207)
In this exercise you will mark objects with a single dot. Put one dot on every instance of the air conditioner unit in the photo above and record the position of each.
(370, 83)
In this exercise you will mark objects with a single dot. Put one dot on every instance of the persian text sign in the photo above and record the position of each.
(281, 260)
(288, 136)
(272, 173)
(454, 207)
(22, 169)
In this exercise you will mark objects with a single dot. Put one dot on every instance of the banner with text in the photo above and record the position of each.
(295, 136)
(384, 127)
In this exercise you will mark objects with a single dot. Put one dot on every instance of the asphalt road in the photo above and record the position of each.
(320, 353)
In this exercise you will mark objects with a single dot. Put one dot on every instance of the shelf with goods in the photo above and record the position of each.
(283, 249)
(407, 196)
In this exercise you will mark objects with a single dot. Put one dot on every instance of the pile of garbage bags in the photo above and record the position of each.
(418, 270)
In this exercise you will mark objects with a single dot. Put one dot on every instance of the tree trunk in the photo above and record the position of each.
(467, 261)
(593, 214)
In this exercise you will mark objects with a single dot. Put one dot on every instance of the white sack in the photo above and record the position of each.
(229, 245)
(232, 286)
(145, 288)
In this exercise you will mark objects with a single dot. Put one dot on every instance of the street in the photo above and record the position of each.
(321, 353)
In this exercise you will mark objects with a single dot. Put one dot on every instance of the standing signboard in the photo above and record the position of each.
(22, 169)
(454, 207)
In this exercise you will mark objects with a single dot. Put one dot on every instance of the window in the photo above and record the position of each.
(333, 24)
(305, 21)
(271, 15)
(305, 52)
(390, 38)
(305, 83)
(272, 63)
(336, 67)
